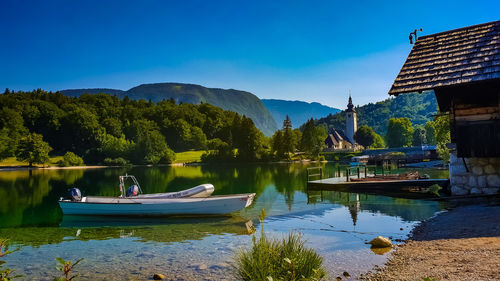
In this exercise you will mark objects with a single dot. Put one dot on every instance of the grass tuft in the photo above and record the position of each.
(285, 259)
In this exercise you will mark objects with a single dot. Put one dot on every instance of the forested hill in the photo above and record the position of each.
(298, 111)
(419, 108)
(103, 128)
(241, 102)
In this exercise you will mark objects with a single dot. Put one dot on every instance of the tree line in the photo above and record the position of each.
(418, 108)
(103, 128)
(402, 133)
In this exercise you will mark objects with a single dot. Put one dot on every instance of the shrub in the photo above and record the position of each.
(167, 157)
(66, 268)
(71, 159)
(116, 162)
(6, 274)
(434, 189)
(285, 259)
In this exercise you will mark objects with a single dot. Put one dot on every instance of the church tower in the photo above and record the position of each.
(351, 121)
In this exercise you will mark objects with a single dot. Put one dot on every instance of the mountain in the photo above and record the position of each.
(78, 92)
(419, 108)
(242, 102)
(298, 111)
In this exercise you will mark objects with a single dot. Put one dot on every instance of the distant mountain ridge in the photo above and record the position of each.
(244, 103)
(298, 111)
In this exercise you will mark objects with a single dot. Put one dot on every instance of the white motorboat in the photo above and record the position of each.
(193, 201)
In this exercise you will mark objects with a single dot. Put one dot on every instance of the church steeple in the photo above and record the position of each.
(350, 106)
(351, 121)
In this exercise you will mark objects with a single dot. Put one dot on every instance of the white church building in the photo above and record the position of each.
(337, 139)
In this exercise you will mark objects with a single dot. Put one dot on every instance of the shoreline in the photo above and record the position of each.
(27, 168)
(462, 243)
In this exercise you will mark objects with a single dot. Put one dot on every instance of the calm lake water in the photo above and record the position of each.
(335, 224)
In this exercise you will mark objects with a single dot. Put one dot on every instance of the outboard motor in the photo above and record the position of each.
(75, 194)
(133, 190)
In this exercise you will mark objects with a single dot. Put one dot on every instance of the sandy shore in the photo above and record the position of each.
(461, 244)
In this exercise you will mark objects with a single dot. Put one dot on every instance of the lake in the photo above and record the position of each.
(335, 224)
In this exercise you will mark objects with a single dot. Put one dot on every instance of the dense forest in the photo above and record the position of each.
(244, 103)
(104, 128)
(419, 108)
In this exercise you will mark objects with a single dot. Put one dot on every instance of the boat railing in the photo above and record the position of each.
(122, 184)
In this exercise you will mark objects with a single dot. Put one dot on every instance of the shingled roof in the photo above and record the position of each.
(459, 56)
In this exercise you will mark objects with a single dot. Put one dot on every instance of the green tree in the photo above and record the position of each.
(33, 149)
(442, 130)
(113, 126)
(419, 137)
(277, 144)
(197, 139)
(430, 134)
(81, 130)
(399, 132)
(151, 147)
(284, 141)
(313, 138)
(248, 140)
(287, 123)
(114, 147)
(365, 136)
(378, 141)
(218, 150)
(11, 130)
(71, 159)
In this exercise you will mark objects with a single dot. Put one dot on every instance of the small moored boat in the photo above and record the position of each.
(193, 201)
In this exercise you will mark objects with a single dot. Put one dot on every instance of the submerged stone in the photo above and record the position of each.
(158, 276)
(380, 242)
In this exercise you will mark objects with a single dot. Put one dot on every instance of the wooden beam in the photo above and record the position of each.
(476, 111)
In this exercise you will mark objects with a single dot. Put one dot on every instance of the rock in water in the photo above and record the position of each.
(380, 242)
(158, 276)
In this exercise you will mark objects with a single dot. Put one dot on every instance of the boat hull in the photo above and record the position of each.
(109, 206)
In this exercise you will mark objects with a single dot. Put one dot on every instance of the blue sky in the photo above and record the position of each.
(294, 50)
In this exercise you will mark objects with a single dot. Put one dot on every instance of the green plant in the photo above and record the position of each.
(116, 162)
(33, 149)
(5, 274)
(429, 279)
(287, 259)
(66, 267)
(71, 159)
(434, 189)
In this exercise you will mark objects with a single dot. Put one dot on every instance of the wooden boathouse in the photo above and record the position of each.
(462, 67)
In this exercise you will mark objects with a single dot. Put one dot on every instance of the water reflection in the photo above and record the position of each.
(86, 228)
(406, 209)
(331, 221)
(29, 198)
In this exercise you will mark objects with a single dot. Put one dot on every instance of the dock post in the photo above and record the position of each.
(375, 170)
(358, 172)
(365, 171)
(382, 168)
(338, 168)
(347, 173)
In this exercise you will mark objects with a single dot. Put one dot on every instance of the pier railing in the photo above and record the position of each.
(348, 172)
(314, 172)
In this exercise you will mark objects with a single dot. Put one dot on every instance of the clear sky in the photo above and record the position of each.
(294, 50)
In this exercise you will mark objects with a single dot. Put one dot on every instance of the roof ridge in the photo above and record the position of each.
(460, 29)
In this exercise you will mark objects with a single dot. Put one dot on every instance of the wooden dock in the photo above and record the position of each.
(412, 189)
